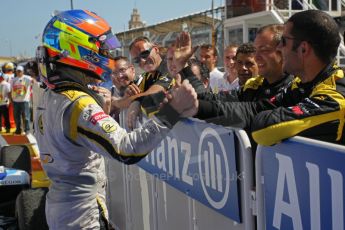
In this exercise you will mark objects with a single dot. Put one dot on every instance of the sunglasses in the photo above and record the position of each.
(143, 55)
(284, 38)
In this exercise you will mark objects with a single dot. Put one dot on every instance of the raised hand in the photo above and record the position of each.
(183, 50)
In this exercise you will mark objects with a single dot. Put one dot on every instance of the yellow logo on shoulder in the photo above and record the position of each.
(46, 158)
(109, 127)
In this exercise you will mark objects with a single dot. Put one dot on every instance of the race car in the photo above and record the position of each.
(23, 183)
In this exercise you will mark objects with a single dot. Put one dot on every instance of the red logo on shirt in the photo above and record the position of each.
(273, 99)
(98, 116)
(297, 110)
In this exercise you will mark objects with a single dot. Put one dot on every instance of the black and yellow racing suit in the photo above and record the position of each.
(158, 77)
(254, 89)
(150, 103)
(315, 109)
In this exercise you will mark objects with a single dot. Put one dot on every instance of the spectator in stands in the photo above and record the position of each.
(21, 95)
(8, 71)
(32, 70)
(201, 71)
(270, 63)
(313, 105)
(163, 51)
(209, 56)
(191, 73)
(230, 79)
(179, 70)
(270, 68)
(122, 77)
(149, 100)
(155, 77)
(5, 90)
(245, 64)
(170, 62)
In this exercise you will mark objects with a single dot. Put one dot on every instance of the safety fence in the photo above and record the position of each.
(300, 185)
(201, 177)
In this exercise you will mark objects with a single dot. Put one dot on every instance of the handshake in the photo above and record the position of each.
(182, 98)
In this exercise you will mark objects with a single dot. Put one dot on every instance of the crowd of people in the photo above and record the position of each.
(283, 84)
(16, 96)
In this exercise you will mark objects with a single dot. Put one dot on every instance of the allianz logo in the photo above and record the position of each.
(201, 165)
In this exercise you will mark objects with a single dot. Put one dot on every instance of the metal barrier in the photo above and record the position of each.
(183, 182)
(199, 177)
(300, 185)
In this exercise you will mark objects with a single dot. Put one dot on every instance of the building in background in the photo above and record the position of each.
(244, 17)
(200, 25)
(235, 23)
(4, 60)
(135, 21)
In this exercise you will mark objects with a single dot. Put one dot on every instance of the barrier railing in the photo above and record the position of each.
(300, 185)
(199, 177)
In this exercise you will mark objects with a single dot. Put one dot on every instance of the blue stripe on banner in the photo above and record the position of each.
(199, 160)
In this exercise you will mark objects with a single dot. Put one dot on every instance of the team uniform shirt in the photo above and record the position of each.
(74, 135)
(5, 89)
(215, 76)
(223, 85)
(315, 109)
(256, 88)
(21, 88)
(150, 104)
(159, 77)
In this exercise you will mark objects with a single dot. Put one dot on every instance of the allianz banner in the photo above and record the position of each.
(199, 159)
(303, 185)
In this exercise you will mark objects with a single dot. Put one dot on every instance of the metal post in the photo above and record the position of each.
(213, 29)
(71, 4)
(124, 40)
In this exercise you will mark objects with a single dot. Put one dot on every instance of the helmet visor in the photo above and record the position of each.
(108, 44)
